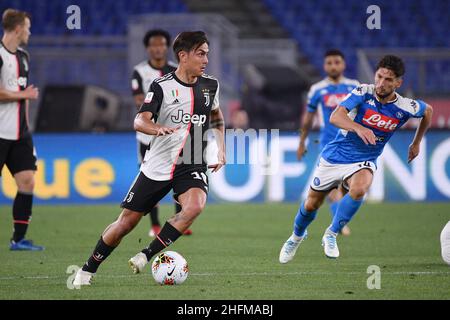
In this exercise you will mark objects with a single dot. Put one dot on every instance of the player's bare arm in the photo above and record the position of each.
(304, 132)
(218, 126)
(30, 92)
(425, 122)
(340, 119)
(143, 123)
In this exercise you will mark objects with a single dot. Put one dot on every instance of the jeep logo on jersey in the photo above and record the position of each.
(333, 100)
(186, 118)
(379, 121)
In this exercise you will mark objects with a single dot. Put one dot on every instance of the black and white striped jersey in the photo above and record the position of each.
(13, 77)
(143, 76)
(188, 106)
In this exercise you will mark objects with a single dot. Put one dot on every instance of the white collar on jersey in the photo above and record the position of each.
(392, 101)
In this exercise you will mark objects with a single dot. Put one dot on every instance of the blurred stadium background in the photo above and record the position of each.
(266, 54)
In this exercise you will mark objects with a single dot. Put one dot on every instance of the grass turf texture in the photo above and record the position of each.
(233, 254)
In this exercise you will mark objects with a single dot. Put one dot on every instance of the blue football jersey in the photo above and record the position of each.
(323, 97)
(382, 119)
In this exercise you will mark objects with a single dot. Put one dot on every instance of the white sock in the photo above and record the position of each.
(296, 238)
(331, 232)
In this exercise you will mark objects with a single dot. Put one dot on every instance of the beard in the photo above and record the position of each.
(383, 96)
(334, 75)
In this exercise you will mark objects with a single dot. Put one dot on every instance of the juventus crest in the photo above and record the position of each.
(207, 98)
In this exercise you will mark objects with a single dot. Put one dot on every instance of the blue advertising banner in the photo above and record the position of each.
(99, 168)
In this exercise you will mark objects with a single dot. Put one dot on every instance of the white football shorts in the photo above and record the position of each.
(328, 176)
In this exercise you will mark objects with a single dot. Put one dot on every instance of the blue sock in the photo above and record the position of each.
(346, 210)
(302, 220)
(333, 208)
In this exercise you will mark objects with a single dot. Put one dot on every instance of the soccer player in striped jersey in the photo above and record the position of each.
(16, 145)
(323, 97)
(156, 43)
(177, 111)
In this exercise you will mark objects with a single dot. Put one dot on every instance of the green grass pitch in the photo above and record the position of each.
(233, 254)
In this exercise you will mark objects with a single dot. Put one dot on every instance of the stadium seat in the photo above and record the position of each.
(319, 25)
(50, 19)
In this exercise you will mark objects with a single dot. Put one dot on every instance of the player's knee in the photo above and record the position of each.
(358, 192)
(193, 209)
(312, 204)
(26, 184)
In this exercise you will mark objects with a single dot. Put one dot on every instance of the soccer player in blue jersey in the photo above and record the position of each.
(323, 97)
(367, 119)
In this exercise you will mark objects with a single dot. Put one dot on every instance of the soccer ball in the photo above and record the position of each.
(170, 268)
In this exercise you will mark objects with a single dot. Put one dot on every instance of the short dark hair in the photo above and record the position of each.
(156, 33)
(393, 63)
(334, 52)
(188, 41)
(12, 18)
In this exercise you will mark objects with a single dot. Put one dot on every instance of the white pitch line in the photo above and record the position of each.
(250, 274)
(30, 277)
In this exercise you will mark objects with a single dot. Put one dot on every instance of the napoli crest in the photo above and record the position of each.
(316, 181)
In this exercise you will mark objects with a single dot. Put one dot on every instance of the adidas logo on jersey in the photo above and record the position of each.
(175, 101)
(198, 119)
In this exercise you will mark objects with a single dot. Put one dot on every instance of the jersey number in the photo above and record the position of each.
(367, 164)
(199, 176)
